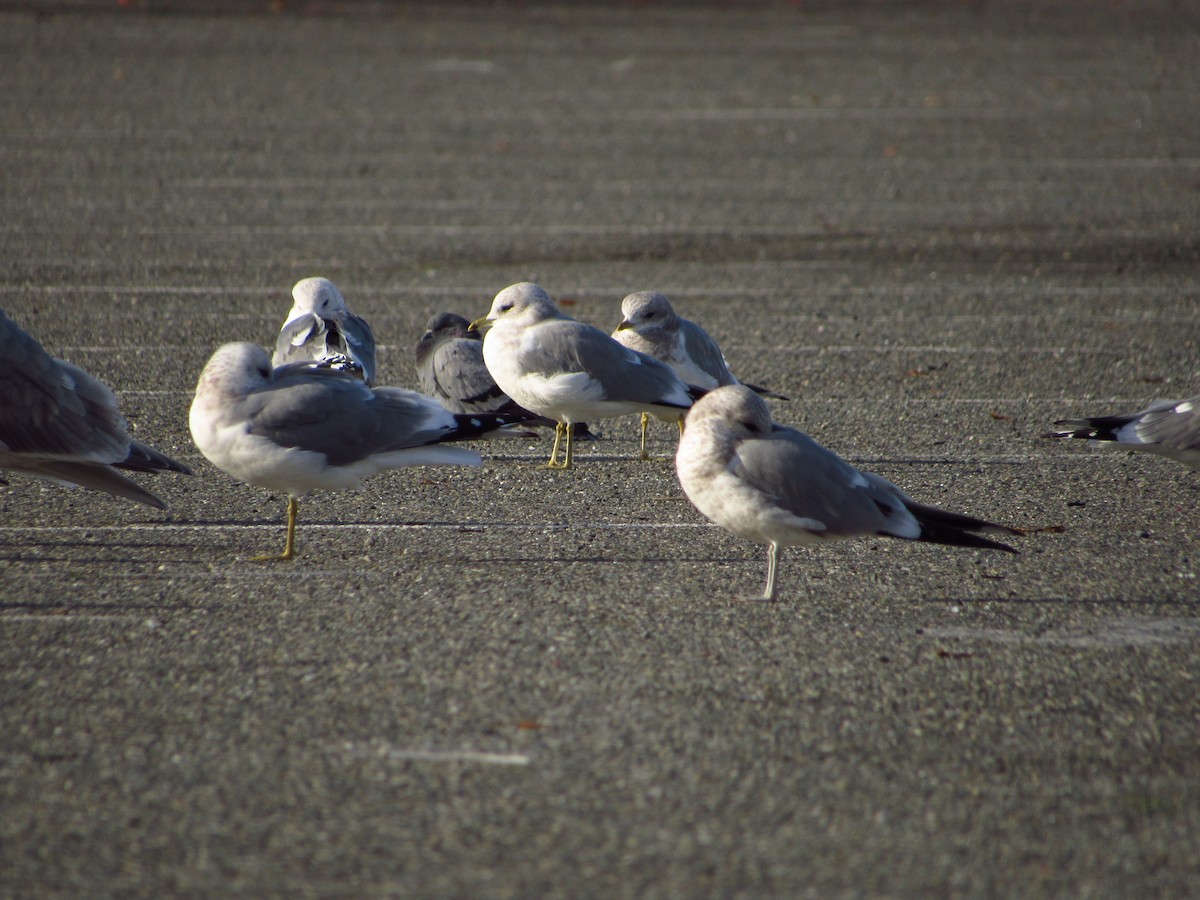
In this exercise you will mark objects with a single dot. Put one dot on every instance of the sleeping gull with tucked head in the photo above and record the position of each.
(321, 330)
(571, 372)
(649, 324)
(450, 368)
(297, 428)
(779, 487)
(59, 423)
(1168, 428)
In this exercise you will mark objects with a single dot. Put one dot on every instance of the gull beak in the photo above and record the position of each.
(625, 323)
(481, 324)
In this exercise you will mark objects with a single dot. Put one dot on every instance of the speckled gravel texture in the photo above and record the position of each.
(936, 227)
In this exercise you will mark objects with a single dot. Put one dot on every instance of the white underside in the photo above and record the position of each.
(257, 460)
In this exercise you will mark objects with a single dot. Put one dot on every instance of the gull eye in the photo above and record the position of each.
(507, 307)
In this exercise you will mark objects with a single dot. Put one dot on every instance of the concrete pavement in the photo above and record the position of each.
(937, 227)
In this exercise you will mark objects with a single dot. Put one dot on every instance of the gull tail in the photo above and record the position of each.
(1101, 428)
(471, 427)
(938, 526)
(143, 458)
(532, 420)
(766, 392)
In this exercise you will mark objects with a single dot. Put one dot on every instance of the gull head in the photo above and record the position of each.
(316, 295)
(519, 305)
(647, 311)
(735, 409)
(234, 370)
(444, 326)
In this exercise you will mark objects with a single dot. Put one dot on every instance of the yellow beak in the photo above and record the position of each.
(481, 324)
(625, 323)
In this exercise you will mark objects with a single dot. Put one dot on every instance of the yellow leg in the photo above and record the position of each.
(559, 430)
(570, 445)
(558, 433)
(681, 426)
(289, 547)
(645, 428)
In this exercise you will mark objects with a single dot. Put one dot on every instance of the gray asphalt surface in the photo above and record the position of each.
(938, 228)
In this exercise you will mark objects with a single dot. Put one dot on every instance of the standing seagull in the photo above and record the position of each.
(569, 371)
(1166, 427)
(779, 487)
(649, 324)
(60, 423)
(298, 428)
(320, 329)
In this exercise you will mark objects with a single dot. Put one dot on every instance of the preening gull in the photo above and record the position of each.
(321, 329)
(650, 325)
(1168, 428)
(571, 372)
(779, 487)
(297, 428)
(60, 423)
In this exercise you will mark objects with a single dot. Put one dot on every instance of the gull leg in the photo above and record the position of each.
(645, 428)
(570, 445)
(559, 430)
(289, 547)
(681, 426)
(768, 593)
(558, 433)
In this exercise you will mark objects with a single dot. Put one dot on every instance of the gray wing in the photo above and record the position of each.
(310, 338)
(300, 340)
(569, 346)
(95, 476)
(356, 340)
(50, 408)
(1172, 423)
(705, 353)
(812, 482)
(58, 422)
(342, 418)
(461, 380)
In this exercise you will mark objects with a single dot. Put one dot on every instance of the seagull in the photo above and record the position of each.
(1166, 427)
(59, 423)
(649, 324)
(320, 330)
(570, 371)
(297, 428)
(450, 368)
(779, 487)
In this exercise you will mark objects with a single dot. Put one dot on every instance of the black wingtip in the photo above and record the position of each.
(939, 526)
(766, 392)
(954, 538)
(472, 426)
(143, 458)
(1101, 428)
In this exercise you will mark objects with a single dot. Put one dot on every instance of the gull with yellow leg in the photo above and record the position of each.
(571, 372)
(297, 428)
